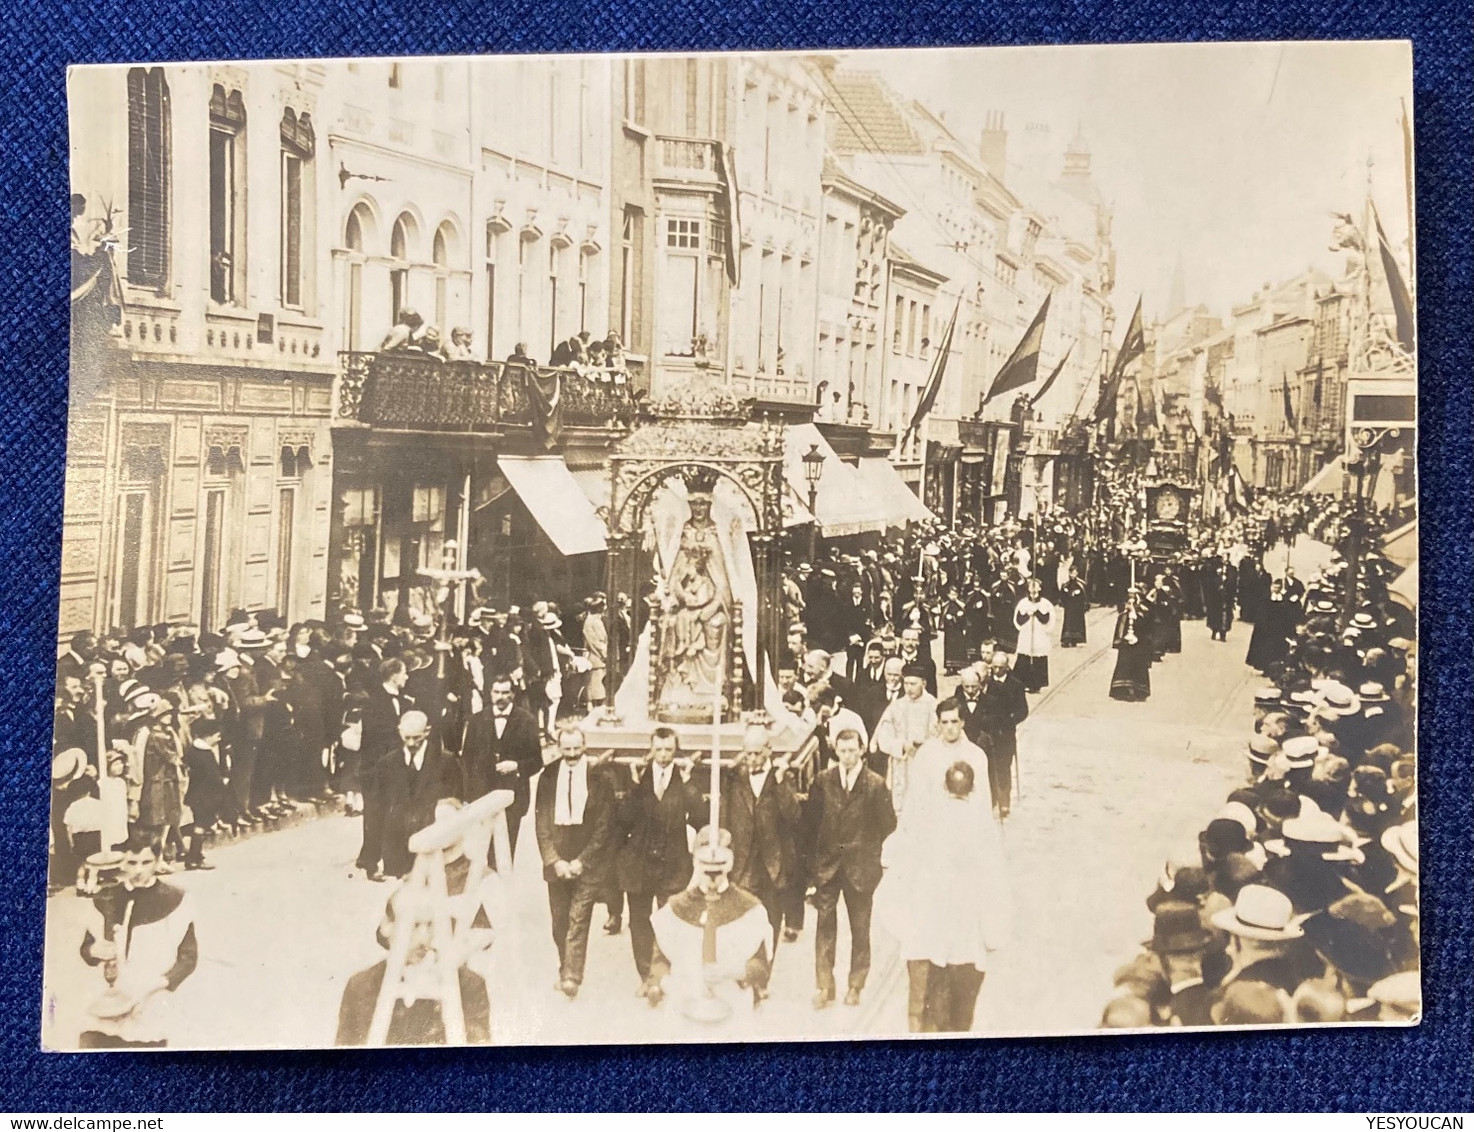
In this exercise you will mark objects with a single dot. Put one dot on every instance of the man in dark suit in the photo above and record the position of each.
(762, 813)
(574, 815)
(654, 859)
(413, 776)
(969, 700)
(1004, 705)
(867, 690)
(852, 814)
(503, 751)
(381, 713)
(78, 657)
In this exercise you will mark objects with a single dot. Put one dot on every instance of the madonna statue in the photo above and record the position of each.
(694, 617)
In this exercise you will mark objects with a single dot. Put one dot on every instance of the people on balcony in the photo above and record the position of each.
(459, 348)
(406, 334)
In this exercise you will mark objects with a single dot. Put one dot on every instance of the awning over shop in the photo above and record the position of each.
(1327, 481)
(1400, 547)
(1404, 590)
(843, 505)
(890, 493)
(556, 501)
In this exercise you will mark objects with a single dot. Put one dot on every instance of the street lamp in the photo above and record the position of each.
(813, 472)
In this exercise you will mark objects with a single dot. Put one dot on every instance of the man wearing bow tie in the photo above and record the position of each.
(654, 859)
(413, 776)
(762, 813)
(383, 707)
(575, 835)
(503, 751)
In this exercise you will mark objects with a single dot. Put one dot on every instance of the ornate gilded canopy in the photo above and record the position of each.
(699, 431)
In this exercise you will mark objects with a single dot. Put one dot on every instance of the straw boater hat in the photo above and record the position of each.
(68, 766)
(1339, 700)
(1402, 842)
(226, 659)
(1402, 993)
(250, 639)
(1364, 621)
(1372, 693)
(1300, 751)
(1261, 749)
(352, 619)
(1262, 913)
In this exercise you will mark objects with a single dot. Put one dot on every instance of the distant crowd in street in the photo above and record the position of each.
(1297, 902)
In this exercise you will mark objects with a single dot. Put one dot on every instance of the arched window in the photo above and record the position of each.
(227, 193)
(148, 177)
(440, 256)
(298, 147)
(399, 242)
(356, 232)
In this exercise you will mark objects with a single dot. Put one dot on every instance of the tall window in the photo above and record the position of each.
(522, 244)
(148, 177)
(298, 143)
(634, 91)
(552, 297)
(399, 273)
(227, 186)
(896, 327)
(679, 295)
(553, 111)
(440, 255)
(631, 253)
(583, 290)
(491, 245)
(692, 80)
(353, 241)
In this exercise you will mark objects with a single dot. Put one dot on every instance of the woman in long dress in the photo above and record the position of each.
(1072, 594)
(1132, 680)
(1034, 618)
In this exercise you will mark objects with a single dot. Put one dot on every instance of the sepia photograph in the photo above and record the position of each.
(764, 546)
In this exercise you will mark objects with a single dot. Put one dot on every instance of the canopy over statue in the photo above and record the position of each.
(695, 520)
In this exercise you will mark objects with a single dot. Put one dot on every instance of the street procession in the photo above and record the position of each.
(610, 512)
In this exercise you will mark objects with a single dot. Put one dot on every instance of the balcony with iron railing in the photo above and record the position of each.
(420, 392)
(687, 159)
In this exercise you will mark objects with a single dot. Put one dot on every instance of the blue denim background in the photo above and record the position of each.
(1424, 1068)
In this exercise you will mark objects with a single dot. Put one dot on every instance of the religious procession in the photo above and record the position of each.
(424, 697)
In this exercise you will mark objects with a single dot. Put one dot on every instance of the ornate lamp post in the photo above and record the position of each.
(813, 472)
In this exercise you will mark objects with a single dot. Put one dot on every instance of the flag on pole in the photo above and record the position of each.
(1132, 347)
(1290, 422)
(933, 382)
(1238, 495)
(733, 217)
(1050, 380)
(1402, 300)
(1022, 367)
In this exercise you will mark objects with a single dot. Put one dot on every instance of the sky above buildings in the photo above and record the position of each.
(1229, 156)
